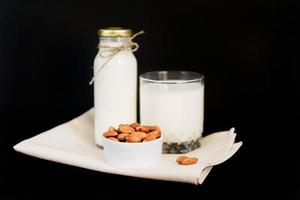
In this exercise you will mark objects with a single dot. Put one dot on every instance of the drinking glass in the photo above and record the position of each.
(174, 100)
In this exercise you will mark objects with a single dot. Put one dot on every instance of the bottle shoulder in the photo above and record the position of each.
(121, 58)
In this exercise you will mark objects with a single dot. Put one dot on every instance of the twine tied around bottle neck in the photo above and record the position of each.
(112, 51)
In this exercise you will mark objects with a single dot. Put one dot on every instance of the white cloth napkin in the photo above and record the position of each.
(73, 143)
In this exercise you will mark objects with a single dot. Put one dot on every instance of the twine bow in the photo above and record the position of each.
(112, 51)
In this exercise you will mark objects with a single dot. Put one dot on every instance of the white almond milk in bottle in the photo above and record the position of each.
(115, 81)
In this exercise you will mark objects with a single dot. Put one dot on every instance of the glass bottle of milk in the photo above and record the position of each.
(115, 81)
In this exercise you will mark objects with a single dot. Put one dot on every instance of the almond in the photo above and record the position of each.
(149, 138)
(185, 160)
(141, 135)
(155, 133)
(150, 128)
(110, 133)
(139, 128)
(155, 128)
(189, 161)
(122, 136)
(180, 159)
(111, 128)
(145, 129)
(133, 139)
(113, 139)
(126, 129)
(134, 125)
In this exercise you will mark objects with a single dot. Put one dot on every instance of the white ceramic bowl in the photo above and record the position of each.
(132, 155)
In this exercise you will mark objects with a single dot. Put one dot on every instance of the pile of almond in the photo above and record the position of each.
(133, 133)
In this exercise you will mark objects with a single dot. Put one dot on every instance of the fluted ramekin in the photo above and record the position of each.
(132, 155)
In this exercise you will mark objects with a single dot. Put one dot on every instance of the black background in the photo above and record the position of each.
(247, 50)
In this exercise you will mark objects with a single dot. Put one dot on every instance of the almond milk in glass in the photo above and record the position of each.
(174, 100)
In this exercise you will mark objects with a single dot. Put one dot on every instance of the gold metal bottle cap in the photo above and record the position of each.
(114, 32)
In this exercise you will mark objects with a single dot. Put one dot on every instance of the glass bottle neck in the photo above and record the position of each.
(113, 41)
